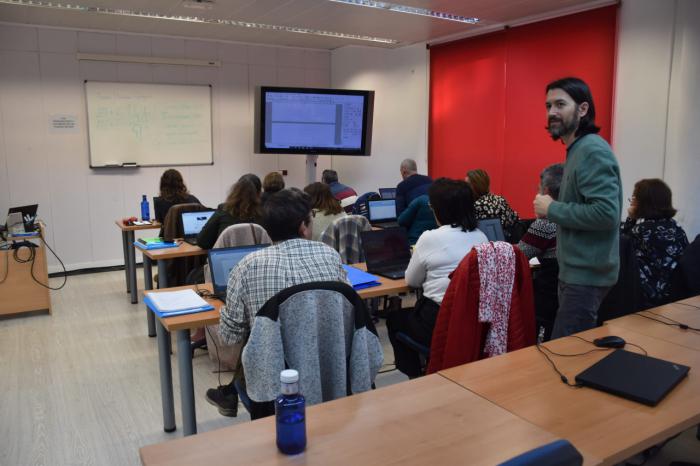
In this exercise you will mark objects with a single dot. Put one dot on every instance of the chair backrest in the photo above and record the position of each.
(559, 452)
(625, 297)
(172, 224)
(343, 235)
(362, 203)
(459, 336)
(685, 279)
(321, 329)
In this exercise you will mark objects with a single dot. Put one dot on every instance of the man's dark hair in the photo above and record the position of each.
(284, 211)
(550, 178)
(579, 92)
(253, 178)
(329, 176)
(452, 202)
(654, 199)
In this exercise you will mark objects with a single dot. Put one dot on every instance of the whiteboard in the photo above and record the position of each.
(132, 124)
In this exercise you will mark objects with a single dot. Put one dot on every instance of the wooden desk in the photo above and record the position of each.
(678, 312)
(130, 255)
(19, 292)
(387, 287)
(425, 421)
(160, 256)
(182, 326)
(598, 424)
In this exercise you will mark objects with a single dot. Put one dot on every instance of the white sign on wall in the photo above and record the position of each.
(63, 123)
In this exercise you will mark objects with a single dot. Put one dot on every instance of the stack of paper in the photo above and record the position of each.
(170, 303)
(360, 279)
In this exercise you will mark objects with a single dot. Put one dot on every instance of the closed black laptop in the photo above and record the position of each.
(387, 252)
(634, 376)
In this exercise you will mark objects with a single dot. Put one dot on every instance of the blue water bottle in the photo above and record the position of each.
(291, 415)
(145, 213)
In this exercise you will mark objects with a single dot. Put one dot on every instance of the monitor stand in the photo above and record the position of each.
(311, 160)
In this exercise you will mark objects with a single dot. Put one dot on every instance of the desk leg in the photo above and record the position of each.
(162, 274)
(132, 269)
(184, 364)
(125, 247)
(166, 378)
(148, 285)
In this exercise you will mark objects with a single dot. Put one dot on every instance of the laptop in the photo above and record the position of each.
(634, 376)
(222, 261)
(387, 193)
(387, 252)
(28, 213)
(382, 213)
(192, 224)
(492, 228)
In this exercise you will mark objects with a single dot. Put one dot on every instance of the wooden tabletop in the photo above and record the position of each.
(387, 287)
(677, 312)
(597, 423)
(425, 421)
(152, 226)
(182, 250)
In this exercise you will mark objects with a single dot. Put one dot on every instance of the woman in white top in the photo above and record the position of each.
(326, 208)
(437, 253)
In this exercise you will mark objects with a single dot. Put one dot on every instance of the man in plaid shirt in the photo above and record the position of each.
(293, 259)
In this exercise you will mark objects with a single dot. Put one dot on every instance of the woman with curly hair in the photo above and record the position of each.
(172, 192)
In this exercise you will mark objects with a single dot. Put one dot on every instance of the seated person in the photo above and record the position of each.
(540, 241)
(657, 239)
(436, 255)
(417, 218)
(345, 194)
(292, 260)
(489, 205)
(242, 206)
(272, 183)
(412, 186)
(172, 192)
(326, 208)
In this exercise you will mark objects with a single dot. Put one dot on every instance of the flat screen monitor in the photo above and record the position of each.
(313, 121)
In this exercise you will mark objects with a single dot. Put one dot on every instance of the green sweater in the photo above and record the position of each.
(588, 214)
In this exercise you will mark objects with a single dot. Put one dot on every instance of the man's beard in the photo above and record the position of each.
(561, 127)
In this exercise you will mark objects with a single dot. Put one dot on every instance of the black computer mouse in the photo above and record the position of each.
(610, 341)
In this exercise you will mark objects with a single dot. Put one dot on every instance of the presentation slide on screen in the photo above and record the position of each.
(297, 121)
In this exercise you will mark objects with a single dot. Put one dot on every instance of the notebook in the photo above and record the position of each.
(173, 303)
(154, 243)
(192, 224)
(222, 261)
(359, 279)
(387, 252)
(382, 214)
(492, 228)
(634, 376)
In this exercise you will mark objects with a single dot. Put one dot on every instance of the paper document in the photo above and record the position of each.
(170, 301)
(534, 261)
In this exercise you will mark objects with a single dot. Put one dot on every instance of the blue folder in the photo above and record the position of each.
(359, 279)
(179, 312)
(150, 246)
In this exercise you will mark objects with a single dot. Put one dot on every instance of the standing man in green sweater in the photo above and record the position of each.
(588, 210)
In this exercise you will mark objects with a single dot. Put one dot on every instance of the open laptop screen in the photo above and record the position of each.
(385, 248)
(387, 193)
(28, 215)
(492, 228)
(192, 222)
(223, 260)
(382, 210)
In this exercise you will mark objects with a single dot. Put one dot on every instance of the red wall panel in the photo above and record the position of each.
(504, 131)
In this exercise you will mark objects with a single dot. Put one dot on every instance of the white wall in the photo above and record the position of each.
(41, 76)
(399, 78)
(657, 122)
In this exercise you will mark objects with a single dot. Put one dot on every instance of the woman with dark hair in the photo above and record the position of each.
(657, 239)
(437, 253)
(326, 208)
(172, 192)
(241, 206)
(272, 183)
(489, 205)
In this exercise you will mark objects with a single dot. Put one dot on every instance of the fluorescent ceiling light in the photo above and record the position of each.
(410, 10)
(194, 19)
